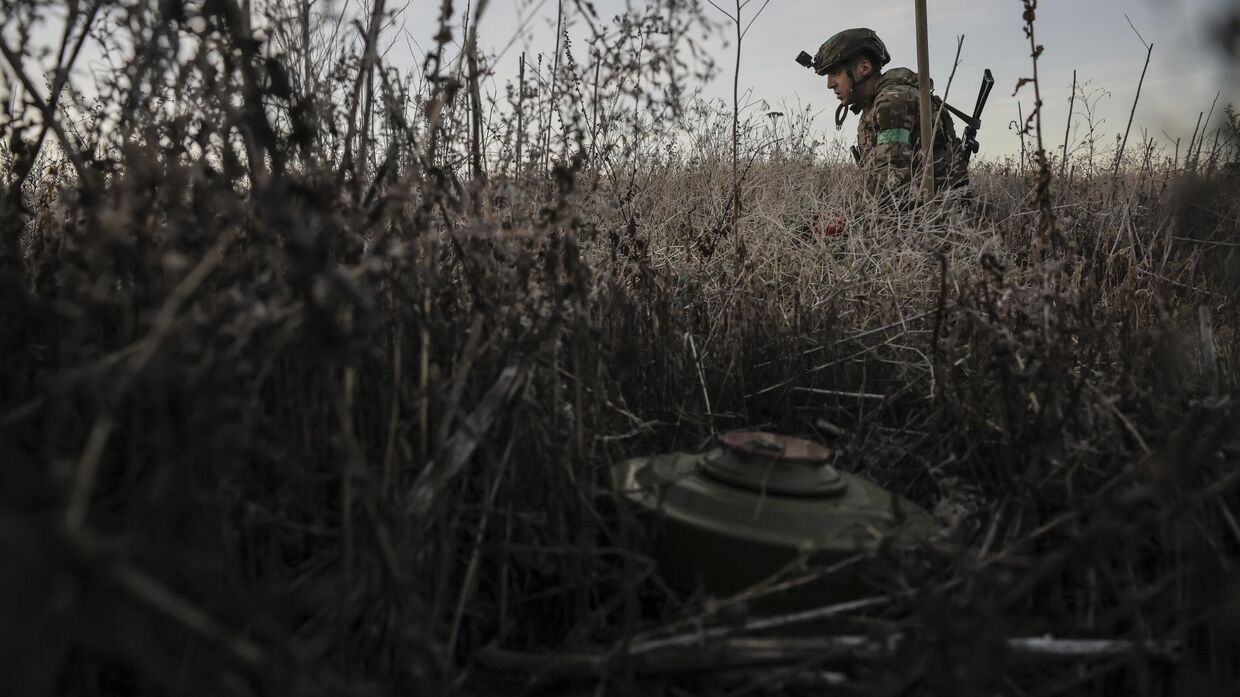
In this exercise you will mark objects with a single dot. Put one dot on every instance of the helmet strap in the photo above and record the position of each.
(841, 112)
(855, 83)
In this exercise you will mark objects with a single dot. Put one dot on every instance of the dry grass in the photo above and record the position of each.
(241, 402)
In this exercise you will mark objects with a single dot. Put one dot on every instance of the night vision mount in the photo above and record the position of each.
(841, 113)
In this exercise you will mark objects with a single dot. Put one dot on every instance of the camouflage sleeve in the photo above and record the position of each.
(889, 166)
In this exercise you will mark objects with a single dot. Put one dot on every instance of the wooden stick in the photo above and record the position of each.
(465, 441)
(555, 74)
(1209, 356)
(923, 80)
(1119, 157)
(745, 652)
(697, 362)
(520, 112)
(1067, 131)
(840, 393)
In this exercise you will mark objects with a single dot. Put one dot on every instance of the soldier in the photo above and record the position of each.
(889, 132)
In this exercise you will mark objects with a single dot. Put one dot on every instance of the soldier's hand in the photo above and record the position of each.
(830, 225)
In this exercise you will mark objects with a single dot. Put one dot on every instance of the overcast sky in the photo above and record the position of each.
(1091, 36)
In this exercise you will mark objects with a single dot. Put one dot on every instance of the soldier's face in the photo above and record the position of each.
(842, 83)
(838, 82)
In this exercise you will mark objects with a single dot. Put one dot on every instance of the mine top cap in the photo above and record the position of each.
(772, 446)
(770, 463)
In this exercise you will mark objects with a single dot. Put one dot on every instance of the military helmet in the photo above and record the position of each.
(849, 44)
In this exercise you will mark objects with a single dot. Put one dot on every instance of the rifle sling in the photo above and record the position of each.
(969, 121)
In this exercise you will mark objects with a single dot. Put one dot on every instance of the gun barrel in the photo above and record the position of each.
(988, 83)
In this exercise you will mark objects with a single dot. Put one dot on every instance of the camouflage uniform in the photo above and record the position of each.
(889, 136)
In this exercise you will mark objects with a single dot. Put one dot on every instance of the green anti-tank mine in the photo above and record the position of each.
(737, 513)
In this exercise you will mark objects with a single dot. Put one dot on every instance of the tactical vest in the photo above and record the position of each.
(896, 100)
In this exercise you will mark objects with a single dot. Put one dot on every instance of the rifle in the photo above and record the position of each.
(974, 122)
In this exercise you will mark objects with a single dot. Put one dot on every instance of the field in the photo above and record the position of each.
(315, 370)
